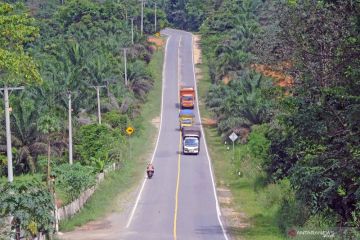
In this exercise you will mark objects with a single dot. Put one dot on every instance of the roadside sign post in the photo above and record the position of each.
(129, 131)
(233, 138)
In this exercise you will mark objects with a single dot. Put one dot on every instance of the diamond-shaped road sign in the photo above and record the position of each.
(129, 130)
(233, 137)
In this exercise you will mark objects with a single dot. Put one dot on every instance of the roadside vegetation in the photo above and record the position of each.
(248, 196)
(284, 77)
(111, 191)
(62, 48)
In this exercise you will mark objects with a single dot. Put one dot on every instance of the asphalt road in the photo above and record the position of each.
(179, 202)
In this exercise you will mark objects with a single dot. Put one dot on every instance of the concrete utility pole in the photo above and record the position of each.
(142, 17)
(155, 17)
(132, 31)
(70, 130)
(8, 130)
(125, 68)
(98, 100)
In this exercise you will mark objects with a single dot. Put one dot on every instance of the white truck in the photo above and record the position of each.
(191, 140)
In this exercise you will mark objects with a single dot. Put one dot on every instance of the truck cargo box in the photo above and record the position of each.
(187, 97)
(191, 131)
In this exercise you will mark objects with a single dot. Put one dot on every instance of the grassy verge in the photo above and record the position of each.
(104, 199)
(262, 219)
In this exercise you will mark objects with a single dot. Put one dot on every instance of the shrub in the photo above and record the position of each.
(258, 143)
(94, 142)
(29, 202)
(252, 155)
(271, 195)
(291, 212)
(116, 120)
(74, 179)
(321, 220)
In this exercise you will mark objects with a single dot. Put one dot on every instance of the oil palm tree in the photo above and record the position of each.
(241, 102)
(139, 80)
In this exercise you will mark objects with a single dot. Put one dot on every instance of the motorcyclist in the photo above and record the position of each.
(150, 169)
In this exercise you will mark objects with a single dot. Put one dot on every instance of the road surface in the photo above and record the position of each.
(180, 201)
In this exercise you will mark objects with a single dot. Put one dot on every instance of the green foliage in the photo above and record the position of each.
(149, 16)
(314, 142)
(97, 145)
(30, 203)
(48, 124)
(227, 35)
(80, 46)
(292, 212)
(99, 164)
(94, 142)
(258, 143)
(188, 14)
(74, 179)
(274, 194)
(241, 103)
(5, 229)
(3, 164)
(251, 156)
(16, 29)
(313, 136)
(139, 80)
(116, 120)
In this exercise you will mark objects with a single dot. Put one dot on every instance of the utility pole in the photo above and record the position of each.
(98, 100)
(132, 31)
(142, 17)
(70, 130)
(155, 17)
(8, 130)
(125, 70)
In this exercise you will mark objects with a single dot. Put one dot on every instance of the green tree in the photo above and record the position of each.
(48, 124)
(16, 29)
(74, 179)
(30, 204)
(94, 142)
(243, 102)
(318, 144)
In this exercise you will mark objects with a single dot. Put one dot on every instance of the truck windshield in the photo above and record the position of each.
(191, 142)
(187, 98)
(186, 121)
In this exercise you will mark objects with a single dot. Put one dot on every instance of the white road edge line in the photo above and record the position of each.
(158, 136)
(206, 149)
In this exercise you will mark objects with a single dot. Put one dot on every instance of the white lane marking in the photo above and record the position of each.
(158, 136)
(206, 149)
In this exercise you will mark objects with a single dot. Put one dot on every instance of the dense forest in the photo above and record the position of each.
(286, 77)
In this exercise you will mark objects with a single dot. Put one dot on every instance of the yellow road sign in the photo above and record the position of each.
(129, 130)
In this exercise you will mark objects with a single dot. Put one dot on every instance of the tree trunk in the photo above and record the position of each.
(48, 163)
(18, 232)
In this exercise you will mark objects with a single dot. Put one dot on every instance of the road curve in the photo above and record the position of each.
(179, 202)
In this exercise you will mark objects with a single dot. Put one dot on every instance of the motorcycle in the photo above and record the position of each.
(150, 173)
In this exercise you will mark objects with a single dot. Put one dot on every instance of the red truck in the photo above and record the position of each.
(187, 97)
